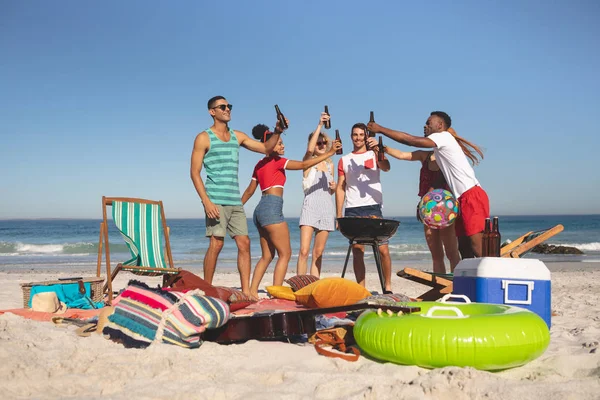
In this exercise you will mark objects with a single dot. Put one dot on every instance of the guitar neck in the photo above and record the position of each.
(356, 307)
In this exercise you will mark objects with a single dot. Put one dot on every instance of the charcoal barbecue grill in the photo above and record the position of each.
(368, 231)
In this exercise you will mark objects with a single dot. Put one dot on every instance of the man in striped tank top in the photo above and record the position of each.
(217, 149)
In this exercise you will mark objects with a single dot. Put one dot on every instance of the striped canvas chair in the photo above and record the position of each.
(143, 227)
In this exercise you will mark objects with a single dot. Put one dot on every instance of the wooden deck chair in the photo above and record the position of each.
(441, 284)
(143, 226)
(528, 241)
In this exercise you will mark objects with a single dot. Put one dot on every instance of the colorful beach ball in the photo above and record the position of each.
(438, 209)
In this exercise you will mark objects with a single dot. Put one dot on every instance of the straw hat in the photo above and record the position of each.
(103, 318)
(48, 302)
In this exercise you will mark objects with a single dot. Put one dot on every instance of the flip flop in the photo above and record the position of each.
(87, 329)
(69, 321)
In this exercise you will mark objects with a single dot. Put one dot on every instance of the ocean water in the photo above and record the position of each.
(73, 244)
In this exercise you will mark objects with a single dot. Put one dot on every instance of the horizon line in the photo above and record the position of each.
(202, 218)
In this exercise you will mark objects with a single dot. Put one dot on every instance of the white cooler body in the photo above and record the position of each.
(511, 281)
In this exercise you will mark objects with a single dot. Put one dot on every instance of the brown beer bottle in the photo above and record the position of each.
(327, 123)
(495, 239)
(281, 117)
(485, 243)
(337, 137)
(380, 154)
(368, 133)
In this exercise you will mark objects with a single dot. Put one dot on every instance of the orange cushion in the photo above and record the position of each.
(331, 292)
(281, 292)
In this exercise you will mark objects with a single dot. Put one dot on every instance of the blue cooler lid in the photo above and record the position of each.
(498, 267)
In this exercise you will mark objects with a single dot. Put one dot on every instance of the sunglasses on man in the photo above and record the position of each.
(222, 107)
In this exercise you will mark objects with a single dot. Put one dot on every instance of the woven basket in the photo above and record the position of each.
(95, 283)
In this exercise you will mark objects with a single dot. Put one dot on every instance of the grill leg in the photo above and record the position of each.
(377, 257)
(347, 257)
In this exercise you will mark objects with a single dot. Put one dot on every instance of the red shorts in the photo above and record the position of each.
(474, 209)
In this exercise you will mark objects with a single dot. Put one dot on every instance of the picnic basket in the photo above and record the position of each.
(95, 284)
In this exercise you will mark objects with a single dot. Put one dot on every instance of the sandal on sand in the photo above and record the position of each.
(86, 327)
(69, 321)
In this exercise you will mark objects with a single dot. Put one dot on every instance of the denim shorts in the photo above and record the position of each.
(373, 210)
(269, 211)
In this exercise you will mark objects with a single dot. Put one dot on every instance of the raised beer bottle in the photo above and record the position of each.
(495, 239)
(368, 133)
(327, 123)
(281, 117)
(485, 241)
(337, 137)
(381, 153)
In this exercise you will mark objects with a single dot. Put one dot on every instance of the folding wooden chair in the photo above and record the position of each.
(143, 226)
(441, 284)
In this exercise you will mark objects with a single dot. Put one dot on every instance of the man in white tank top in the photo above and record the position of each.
(452, 160)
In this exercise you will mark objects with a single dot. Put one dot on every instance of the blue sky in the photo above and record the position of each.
(106, 98)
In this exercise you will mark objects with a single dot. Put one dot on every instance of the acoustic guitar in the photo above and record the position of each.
(282, 325)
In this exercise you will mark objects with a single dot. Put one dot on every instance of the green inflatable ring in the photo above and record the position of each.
(483, 336)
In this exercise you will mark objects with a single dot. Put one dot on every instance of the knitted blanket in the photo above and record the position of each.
(147, 315)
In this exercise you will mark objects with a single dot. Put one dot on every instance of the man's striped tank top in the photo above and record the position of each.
(221, 164)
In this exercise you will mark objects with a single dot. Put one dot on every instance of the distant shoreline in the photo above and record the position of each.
(293, 217)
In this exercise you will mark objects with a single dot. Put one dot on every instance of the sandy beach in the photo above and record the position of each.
(41, 360)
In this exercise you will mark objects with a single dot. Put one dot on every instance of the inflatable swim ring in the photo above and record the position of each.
(479, 335)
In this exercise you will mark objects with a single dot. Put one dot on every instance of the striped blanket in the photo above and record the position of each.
(145, 315)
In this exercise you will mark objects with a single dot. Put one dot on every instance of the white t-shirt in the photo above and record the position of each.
(454, 163)
(363, 184)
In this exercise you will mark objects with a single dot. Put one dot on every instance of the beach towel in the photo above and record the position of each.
(46, 316)
(145, 315)
(69, 294)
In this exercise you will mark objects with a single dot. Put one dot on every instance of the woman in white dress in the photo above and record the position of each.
(318, 214)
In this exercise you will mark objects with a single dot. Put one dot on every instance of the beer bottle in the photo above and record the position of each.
(368, 133)
(337, 137)
(485, 245)
(327, 123)
(495, 239)
(381, 154)
(281, 117)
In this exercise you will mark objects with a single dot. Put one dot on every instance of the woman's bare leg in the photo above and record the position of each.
(450, 241)
(306, 233)
(317, 255)
(434, 242)
(279, 235)
(268, 251)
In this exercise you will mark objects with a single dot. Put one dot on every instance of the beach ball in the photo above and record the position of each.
(438, 209)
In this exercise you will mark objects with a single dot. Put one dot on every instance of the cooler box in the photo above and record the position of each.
(513, 281)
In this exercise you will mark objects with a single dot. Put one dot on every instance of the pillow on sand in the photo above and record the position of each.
(331, 292)
(236, 299)
(144, 315)
(185, 280)
(281, 292)
(299, 281)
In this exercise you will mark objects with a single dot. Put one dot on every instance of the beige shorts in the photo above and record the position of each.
(232, 220)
